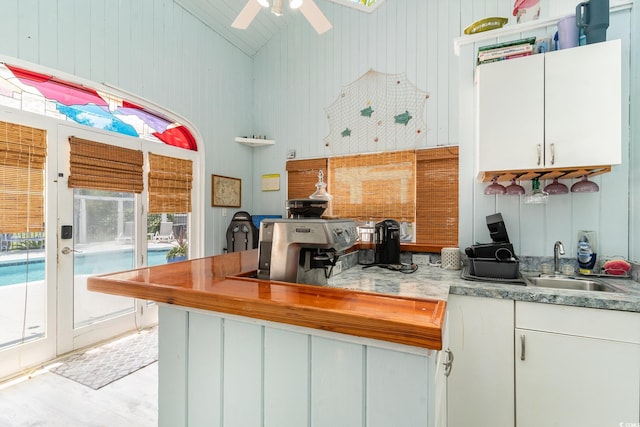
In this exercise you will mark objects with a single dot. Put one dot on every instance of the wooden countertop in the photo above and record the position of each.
(219, 284)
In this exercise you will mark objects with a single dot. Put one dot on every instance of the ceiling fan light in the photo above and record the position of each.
(295, 4)
(264, 3)
(276, 9)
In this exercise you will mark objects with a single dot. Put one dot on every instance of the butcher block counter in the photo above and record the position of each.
(238, 351)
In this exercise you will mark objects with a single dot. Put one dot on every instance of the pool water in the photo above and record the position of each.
(21, 271)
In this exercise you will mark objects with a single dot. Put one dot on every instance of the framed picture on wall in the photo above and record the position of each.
(226, 191)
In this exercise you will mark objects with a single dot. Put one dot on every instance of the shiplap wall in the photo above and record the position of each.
(156, 50)
(298, 74)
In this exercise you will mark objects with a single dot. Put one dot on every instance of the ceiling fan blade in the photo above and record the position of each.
(314, 15)
(248, 12)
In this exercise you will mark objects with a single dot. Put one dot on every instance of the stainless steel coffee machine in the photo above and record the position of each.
(302, 250)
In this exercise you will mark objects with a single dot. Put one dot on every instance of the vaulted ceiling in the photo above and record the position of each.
(219, 14)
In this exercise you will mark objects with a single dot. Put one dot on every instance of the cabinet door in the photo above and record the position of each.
(511, 114)
(480, 385)
(583, 105)
(570, 380)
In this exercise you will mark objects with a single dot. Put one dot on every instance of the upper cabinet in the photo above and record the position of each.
(555, 110)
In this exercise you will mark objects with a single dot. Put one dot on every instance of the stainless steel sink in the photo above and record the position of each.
(565, 282)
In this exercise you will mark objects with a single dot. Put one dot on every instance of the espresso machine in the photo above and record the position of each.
(302, 250)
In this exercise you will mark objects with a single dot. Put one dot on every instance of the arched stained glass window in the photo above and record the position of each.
(48, 95)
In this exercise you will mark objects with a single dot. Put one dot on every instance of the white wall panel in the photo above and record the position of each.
(634, 164)
(242, 390)
(205, 351)
(158, 50)
(153, 49)
(173, 368)
(415, 37)
(337, 383)
(286, 378)
(47, 24)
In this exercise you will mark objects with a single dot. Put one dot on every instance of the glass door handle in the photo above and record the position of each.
(67, 250)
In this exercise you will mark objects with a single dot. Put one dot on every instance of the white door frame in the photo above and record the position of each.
(68, 337)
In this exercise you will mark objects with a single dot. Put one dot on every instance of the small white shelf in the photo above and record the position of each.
(253, 142)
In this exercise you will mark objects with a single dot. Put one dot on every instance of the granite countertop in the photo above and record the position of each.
(435, 283)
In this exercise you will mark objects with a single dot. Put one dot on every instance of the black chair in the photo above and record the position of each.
(242, 234)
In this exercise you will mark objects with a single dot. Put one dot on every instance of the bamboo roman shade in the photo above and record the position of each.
(437, 196)
(373, 187)
(418, 186)
(106, 167)
(23, 153)
(302, 176)
(170, 182)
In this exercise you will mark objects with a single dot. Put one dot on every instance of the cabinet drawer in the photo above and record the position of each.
(586, 322)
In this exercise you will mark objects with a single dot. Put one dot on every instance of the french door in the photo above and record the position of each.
(45, 307)
(99, 232)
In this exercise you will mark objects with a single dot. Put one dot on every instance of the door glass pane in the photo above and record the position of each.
(104, 236)
(167, 235)
(22, 288)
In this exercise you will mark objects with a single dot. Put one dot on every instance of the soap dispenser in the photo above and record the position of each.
(587, 251)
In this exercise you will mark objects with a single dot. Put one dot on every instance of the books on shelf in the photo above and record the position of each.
(506, 50)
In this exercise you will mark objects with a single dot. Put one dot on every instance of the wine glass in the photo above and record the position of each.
(556, 187)
(514, 189)
(536, 196)
(494, 188)
(585, 186)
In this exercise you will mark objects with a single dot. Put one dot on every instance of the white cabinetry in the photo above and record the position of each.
(480, 385)
(576, 366)
(554, 110)
(573, 365)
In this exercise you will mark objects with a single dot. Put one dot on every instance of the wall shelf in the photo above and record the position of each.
(517, 29)
(543, 174)
(254, 142)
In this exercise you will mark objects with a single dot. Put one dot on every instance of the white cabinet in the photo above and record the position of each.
(541, 364)
(576, 366)
(480, 385)
(554, 110)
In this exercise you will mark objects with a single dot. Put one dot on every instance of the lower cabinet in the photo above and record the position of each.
(480, 385)
(531, 364)
(232, 371)
(576, 366)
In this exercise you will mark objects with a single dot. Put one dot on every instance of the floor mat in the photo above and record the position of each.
(102, 365)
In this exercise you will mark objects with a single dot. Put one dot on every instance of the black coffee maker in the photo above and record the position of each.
(387, 240)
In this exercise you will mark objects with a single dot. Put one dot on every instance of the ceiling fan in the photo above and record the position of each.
(309, 9)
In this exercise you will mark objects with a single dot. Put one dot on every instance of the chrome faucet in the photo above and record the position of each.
(558, 248)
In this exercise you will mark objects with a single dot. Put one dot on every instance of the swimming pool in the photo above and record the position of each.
(21, 271)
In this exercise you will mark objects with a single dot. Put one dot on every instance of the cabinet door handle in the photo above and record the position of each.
(539, 146)
(522, 355)
(448, 363)
(553, 153)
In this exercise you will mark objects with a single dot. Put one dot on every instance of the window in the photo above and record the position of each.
(50, 96)
(418, 186)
